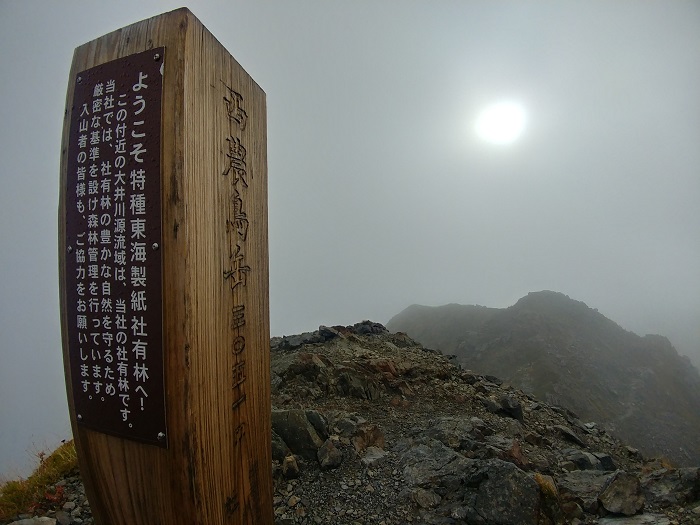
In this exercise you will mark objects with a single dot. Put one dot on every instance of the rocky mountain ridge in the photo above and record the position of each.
(568, 354)
(370, 427)
(402, 434)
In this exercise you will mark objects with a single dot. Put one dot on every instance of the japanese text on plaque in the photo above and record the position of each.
(113, 237)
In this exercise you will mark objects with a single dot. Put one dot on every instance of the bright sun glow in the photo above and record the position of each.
(501, 123)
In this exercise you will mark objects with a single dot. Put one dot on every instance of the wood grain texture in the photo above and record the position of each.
(215, 294)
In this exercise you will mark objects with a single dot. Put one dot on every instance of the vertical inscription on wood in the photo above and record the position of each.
(237, 270)
(113, 237)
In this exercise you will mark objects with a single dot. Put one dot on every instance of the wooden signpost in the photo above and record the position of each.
(163, 264)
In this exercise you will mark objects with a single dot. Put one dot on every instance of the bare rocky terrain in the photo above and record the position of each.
(566, 353)
(370, 427)
(403, 435)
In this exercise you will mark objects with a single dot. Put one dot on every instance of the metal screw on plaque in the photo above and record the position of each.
(80, 418)
(155, 245)
(70, 249)
(156, 57)
(80, 79)
(161, 436)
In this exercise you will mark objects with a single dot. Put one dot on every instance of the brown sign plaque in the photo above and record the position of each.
(113, 240)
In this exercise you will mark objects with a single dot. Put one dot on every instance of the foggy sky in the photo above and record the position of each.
(380, 194)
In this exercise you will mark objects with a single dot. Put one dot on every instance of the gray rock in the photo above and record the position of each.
(318, 421)
(295, 341)
(493, 379)
(328, 333)
(642, 519)
(622, 494)
(329, 456)
(280, 450)
(570, 435)
(633, 452)
(353, 383)
(582, 485)
(344, 424)
(425, 498)
(582, 460)
(506, 495)
(492, 405)
(511, 407)
(63, 518)
(495, 491)
(430, 463)
(373, 456)
(453, 432)
(607, 463)
(369, 328)
(300, 435)
(666, 487)
(35, 521)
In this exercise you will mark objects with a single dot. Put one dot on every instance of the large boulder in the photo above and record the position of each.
(505, 495)
(455, 432)
(581, 487)
(297, 430)
(485, 492)
(622, 494)
(666, 487)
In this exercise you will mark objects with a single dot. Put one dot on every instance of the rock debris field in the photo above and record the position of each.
(369, 427)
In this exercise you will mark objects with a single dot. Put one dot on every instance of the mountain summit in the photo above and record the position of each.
(370, 427)
(568, 354)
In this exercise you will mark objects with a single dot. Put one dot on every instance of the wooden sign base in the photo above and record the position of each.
(193, 446)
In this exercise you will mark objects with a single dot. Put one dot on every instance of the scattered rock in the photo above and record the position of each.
(511, 407)
(329, 456)
(667, 487)
(63, 518)
(642, 519)
(35, 521)
(370, 427)
(582, 460)
(493, 491)
(373, 456)
(453, 432)
(570, 435)
(582, 487)
(367, 436)
(297, 431)
(622, 494)
(290, 467)
(426, 499)
(607, 463)
(280, 450)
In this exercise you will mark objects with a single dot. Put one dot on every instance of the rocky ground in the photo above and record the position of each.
(369, 427)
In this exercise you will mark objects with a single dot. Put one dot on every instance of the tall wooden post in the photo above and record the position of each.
(163, 263)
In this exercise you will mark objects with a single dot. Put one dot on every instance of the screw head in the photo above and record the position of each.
(161, 436)
(70, 249)
(156, 57)
(80, 417)
(155, 246)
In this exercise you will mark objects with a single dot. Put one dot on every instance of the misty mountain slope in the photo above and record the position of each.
(562, 351)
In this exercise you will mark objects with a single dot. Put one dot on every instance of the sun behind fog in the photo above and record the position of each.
(501, 123)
